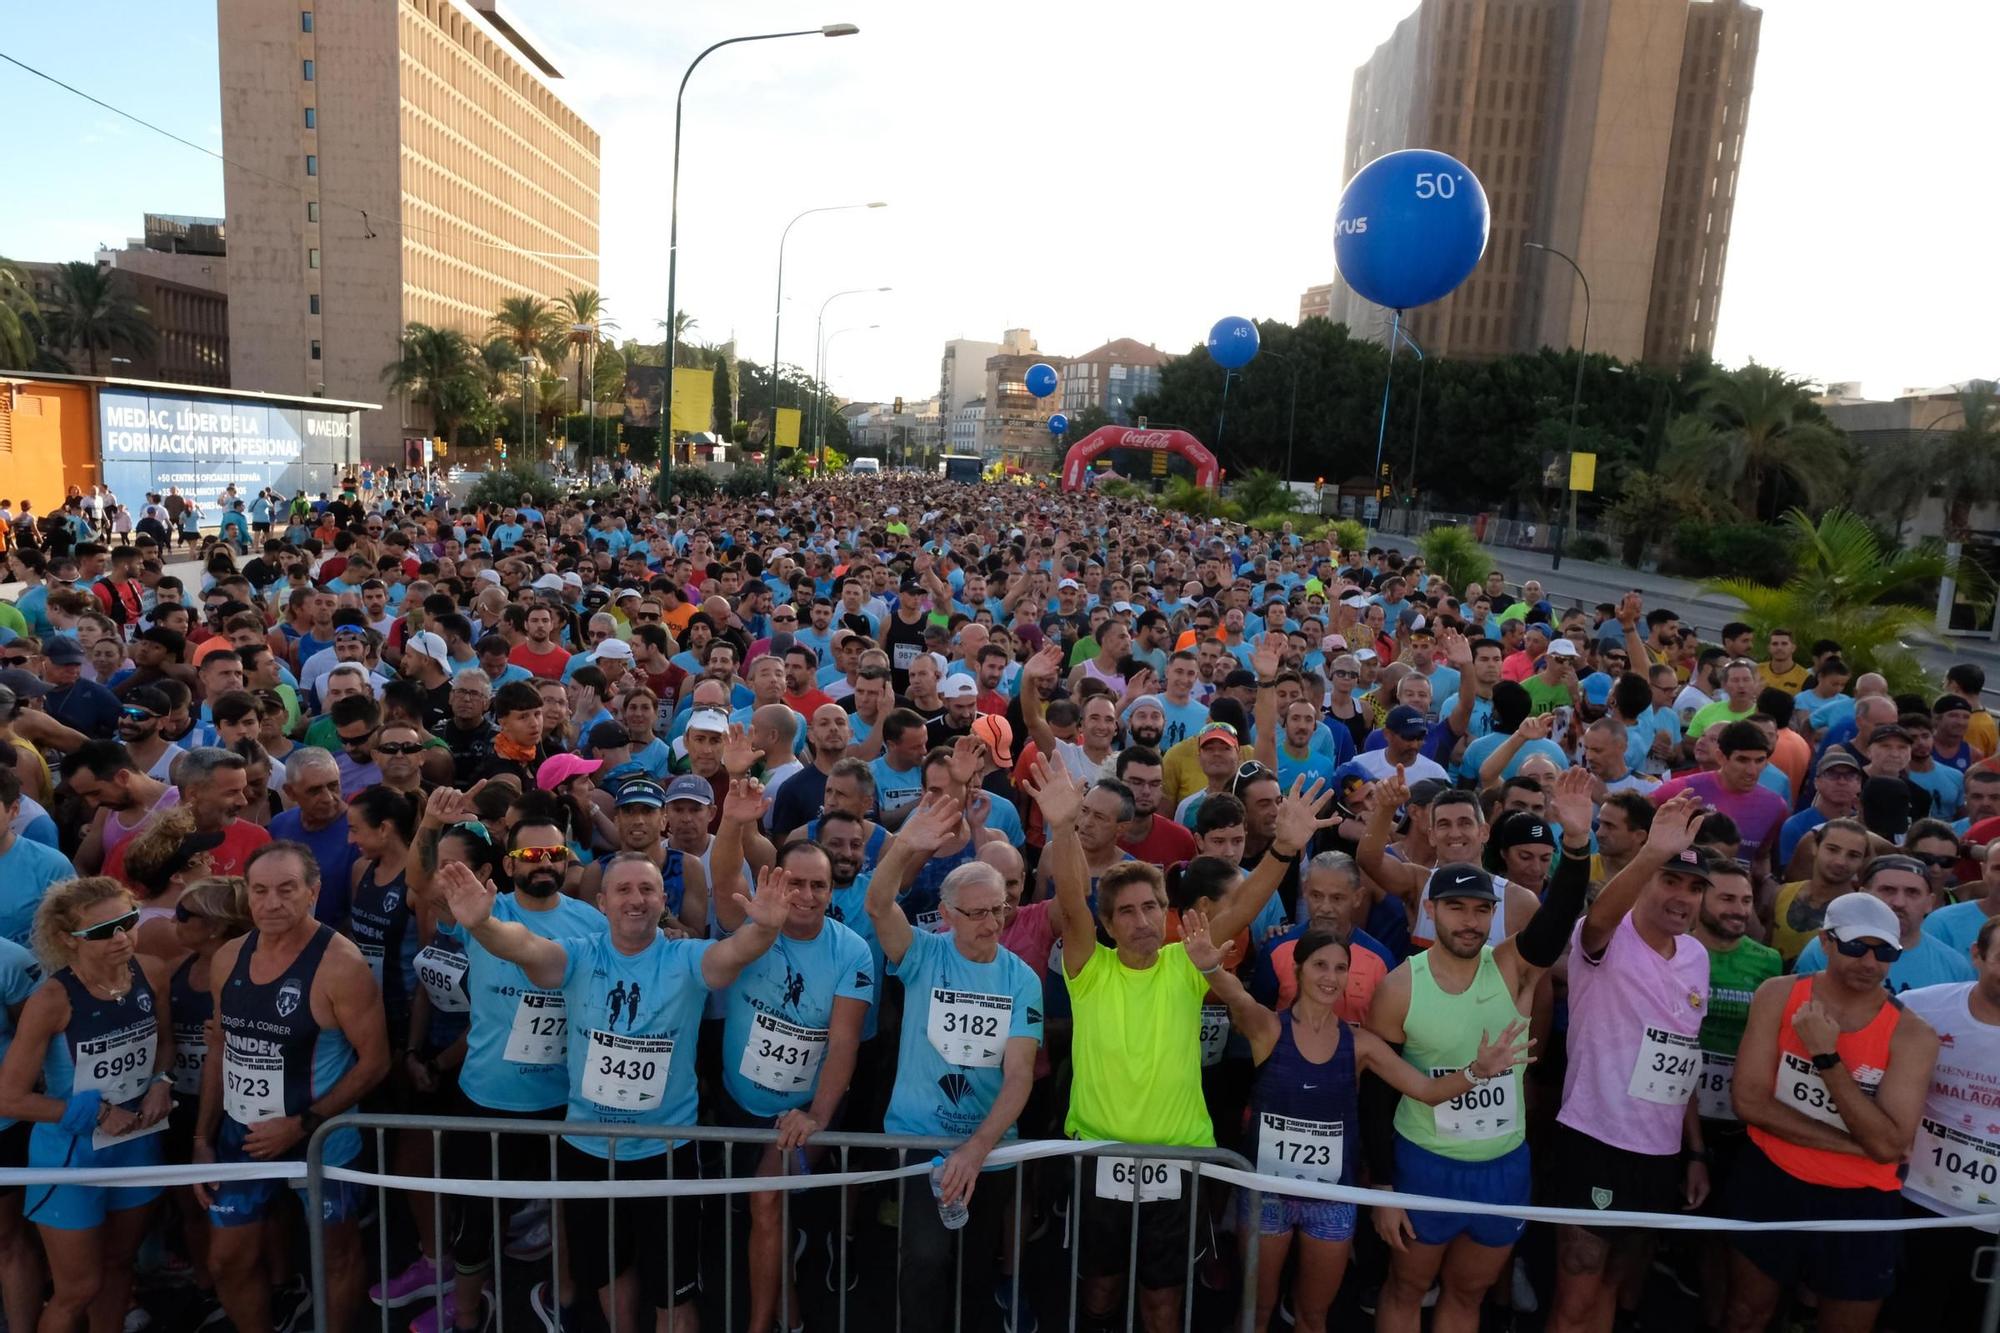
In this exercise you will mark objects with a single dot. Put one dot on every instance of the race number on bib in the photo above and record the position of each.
(190, 1055)
(1801, 1088)
(1300, 1149)
(969, 1028)
(1955, 1167)
(629, 1073)
(782, 1057)
(253, 1086)
(540, 1035)
(1485, 1112)
(1214, 1035)
(1153, 1178)
(443, 975)
(1667, 1068)
(118, 1065)
(1714, 1095)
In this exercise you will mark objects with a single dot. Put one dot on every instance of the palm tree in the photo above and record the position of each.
(1849, 589)
(685, 353)
(20, 320)
(1967, 461)
(440, 369)
(93, 314)
(583, 311)
(532, 327)
(1752, 424)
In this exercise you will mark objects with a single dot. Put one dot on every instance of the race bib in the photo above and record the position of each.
(442, 972)
(1955, 1167)
(253, 1086)
(969, 1028)
(628, 1073)
(540, 1034)
(1154, 1179)
(1485, 1112)
(1300, 1149)
(372, 955)
(1714, 1094)
(1667, 1068)
(190, 1056)
(1801, 1088)
(782, 1057)
(118, 1065)
(1214, 1035)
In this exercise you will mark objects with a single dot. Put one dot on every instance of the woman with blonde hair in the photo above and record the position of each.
(160, 860)
(96, 1035)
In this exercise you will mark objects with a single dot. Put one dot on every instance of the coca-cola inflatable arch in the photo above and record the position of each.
(1076, 464)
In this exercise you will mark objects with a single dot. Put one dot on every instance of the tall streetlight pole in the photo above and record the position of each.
(826, 347)
(674, 235)
(1576, 394)
(1291, 363)
(527, 366)
(777, 322)
(819, 367)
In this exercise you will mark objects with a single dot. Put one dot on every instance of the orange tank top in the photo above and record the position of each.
(1866, 1055)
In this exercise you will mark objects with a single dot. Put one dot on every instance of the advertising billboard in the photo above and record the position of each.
(149, 441)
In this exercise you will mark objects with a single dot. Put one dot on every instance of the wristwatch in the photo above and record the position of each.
(1475, 1078)
(1826, 1062)
(309, 1121)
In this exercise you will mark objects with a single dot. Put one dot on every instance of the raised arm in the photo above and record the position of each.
(1045, 665)
(1060, 798)
(1298, 822)
(1398, 877)
(763, 917)
(1259, 1026)
(931, 823)
(1264, 721)
(1497, 1056)
(469, 899)
(742, 807)
(1531, 729)
(1674, 827)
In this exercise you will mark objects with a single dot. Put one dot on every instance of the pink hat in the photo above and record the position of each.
(560, 768)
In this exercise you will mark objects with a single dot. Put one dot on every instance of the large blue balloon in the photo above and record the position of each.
(1232, 342)
(1410, 227)
(1058, 423)
(1041, 378)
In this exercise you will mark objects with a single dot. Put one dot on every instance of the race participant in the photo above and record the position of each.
(1304, 1113)
(1898, 880)
(1957, 927)
(1836, 795)
(791, 1030)
(1831, 1079)
(1841, 848)
(90, 1067)
(972, 1022)
(641, 823)
(1092, 759)
(1623, 817)
(1331, 896)
(1137, 1006)
(1149, 835)
(1733, 789)
(381, 918)
(300, 1031)
(850, 789)
(1638, 991)
(637, 998)
(1474, 1146)
(1955, 1159)
(1458, 835)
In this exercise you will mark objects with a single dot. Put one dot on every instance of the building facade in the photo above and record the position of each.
(1016, 424)
(1111, 378)
(1316, 302)
(190, 319)
(968, 429)
(389, 162)
(962, 372)
(1608, 131)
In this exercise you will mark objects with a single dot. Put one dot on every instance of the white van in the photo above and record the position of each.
(865, 465)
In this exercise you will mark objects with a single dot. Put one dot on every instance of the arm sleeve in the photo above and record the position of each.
(1547, 933)
(1378, 1129)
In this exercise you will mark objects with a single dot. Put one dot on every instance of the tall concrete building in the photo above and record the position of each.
(1610, 130)
(1016, 424)
(962, 373)
(1112, 377)
(389, 161)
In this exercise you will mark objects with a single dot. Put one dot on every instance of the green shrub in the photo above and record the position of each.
(1186, 497)
(1117, 488)
(747, 482)
(506, 486)
(1453, 556)
(1351, 534)
(1749, 551)
(694, 483)
(1589, 546)
(1259, 492)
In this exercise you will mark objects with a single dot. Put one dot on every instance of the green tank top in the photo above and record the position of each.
(1440, 1034)
(1733, 977)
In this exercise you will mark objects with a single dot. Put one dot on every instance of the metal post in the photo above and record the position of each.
(1223, 415)
(1576, 394)
(1292, 423)
(820, 341)
(1382, 426)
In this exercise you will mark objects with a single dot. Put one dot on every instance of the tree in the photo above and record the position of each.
(20, 321)
(1755, 426)
(1259, 492)
(1652, 506)
(93, 314)
(1968, 460)
(532, 327)
(442, 371)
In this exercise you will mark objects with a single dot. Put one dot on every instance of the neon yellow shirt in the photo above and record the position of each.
(1137, 1051)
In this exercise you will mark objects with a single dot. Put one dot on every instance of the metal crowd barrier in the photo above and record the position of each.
(911, 1154)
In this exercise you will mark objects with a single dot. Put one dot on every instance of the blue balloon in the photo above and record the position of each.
(1232, 342)
(1058, 424)
(1041, 378)
(1410, 227)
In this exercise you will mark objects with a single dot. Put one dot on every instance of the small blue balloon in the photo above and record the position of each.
(1232, 342)
(1411, 226)
(1041, 378)
(1058, 424)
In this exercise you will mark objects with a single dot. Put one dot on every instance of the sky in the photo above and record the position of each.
(1086, 171)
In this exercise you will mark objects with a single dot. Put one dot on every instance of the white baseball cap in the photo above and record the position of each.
(958, 687)
(550, 583)
(430, 645)
(1562, 648)
(614, 648)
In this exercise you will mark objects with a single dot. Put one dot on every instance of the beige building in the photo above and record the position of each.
(1111, 377)
(389, 161)
(1016, 425)
(1316, 302)
(1608, 131)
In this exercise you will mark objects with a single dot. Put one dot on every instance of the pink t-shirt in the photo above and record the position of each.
(1758, 812)
(1031, 937)
(1634, 1040)
(117, 833)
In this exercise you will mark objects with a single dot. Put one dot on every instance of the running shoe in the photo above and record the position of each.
(1016, 1317)
(291, 1307)
(421, 1279)
(833, 1265)
(532, 1244)
(442, 1317)
(555, 1317)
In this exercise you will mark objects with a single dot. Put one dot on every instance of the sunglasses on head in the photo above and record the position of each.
(104, 930)
(1884, 953)
(183, 915)
(535, 856)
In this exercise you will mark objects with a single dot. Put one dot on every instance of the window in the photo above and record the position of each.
(312, 258)
(312, 304)
(312, 210)
(312, 118)
(309, 71)
(305, 20)
(312, 164)
(315, 349)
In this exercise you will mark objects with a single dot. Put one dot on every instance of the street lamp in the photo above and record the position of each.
(824, 348)
(527, 369)
(1416, 425)
(777, 322)
(1576, 394)
(674, 235)
(819, 366)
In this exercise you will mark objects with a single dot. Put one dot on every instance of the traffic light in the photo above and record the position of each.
(899, 406)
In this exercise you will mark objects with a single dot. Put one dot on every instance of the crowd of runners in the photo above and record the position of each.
(893, 806)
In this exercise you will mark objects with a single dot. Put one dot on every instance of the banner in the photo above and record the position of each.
(694, 400)
(788, 428)
(1583, 472)
(148, 442)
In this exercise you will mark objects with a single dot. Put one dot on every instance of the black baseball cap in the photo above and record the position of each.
(1461, 879)
(1697, 861)
(1520, 828)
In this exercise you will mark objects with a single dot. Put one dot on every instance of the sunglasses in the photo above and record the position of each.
(1938, 859)
(535, 856)
(400, 747)
(19, 661)
(104, 930)
(1347, 675)
(183, 915)
(357, 742)
(1253, 769)
(1884, 953)
(137, 714)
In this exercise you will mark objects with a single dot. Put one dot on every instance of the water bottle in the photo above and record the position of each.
(951, 1214)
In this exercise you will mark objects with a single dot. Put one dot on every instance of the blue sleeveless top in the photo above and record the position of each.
(1291, 1087)
(380, 922)
(277, 1060)
(191, 1007)
(109, 1045)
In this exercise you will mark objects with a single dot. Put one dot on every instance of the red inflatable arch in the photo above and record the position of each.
(1105, 438)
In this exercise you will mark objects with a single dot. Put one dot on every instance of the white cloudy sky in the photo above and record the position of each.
(1088, 170)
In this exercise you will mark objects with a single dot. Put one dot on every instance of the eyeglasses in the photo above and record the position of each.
(993, 913)
(1938, 859)
(137, 714)
(400, 747)
(534, 856)
(1347, 675)
(357, 742)
(104, 930)
(1884, 953)
(19, 661)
